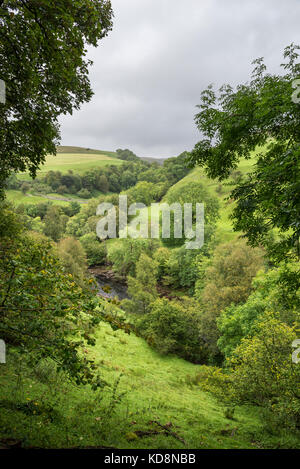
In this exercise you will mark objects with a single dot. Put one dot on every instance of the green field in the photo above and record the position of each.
(70, 149)
(156, 388)
(17, 197)
(77, 162)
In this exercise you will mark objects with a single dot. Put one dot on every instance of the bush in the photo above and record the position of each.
(172, 327)
(94, 249)
(84, 193)
(72, 257)
(263, 373)
(226, 281)
(270, 294)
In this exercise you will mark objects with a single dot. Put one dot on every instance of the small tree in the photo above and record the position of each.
(103, 184)
(72, 256)
(53, 223)
(95, 249)
(173, 327)
(227, 280)
(25, 188)
(142, 288)
(264, 374)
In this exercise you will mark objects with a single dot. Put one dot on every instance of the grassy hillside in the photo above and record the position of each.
(81, 150)
(221, 191)
(156, 389)
(17, 197)
(77, 162)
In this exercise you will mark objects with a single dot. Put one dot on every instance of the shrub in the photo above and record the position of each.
(84, 193)
(94, 249)
(72, 256)
(172, 327)
(142, 288)
(263, 373)
(227, 280)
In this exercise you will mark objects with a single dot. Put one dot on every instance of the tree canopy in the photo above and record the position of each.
(260, 116)
(43, 47)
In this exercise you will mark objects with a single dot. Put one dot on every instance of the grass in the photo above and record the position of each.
(77, 162)
(17, 197)
(70, 149)
(77, 159)
(151, 388)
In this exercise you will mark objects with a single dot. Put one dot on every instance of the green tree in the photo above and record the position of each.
(176, 168)
(53, 223)
(125, 254)
(103, 184)
(258, 119)
(270, 293)
(143, 192)
(42, 310)
(127, 155)
(43, 51)
(263, 373)
(227, 280)
(193, 193)
(25, 187)
(95, 249)
(72, 257)
(172, 327)
(142, 287)
(71, 209)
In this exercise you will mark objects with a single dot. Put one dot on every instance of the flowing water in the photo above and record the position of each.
(109, 288)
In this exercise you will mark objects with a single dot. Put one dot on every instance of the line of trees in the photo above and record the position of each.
(112, 178)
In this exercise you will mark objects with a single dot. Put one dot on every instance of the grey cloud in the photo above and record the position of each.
(148, 74)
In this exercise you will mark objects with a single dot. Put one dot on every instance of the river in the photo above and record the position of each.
(108, 285)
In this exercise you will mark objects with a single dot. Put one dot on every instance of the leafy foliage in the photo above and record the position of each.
(42, 54)
(263, 373)
(43, 310)
(94, 249)
(142, 287)
(172, 327)
(227, 280)
(259, 115)
(72, 257)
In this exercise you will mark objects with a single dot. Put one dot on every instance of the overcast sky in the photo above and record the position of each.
(149, 72)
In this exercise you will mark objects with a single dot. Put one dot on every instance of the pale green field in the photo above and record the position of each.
(77, 162)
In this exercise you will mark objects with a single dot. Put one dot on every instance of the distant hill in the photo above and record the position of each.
(112, 154)
(153, 160)
(69, 149)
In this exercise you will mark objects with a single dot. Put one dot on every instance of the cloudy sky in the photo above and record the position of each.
(149, 72)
